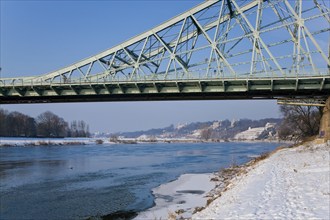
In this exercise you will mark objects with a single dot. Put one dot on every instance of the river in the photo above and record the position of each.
(78, 182)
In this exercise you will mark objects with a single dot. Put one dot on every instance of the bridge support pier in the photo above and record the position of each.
(325, 122)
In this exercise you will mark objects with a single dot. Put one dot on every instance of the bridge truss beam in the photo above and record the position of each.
(214, 42)
(302, 101)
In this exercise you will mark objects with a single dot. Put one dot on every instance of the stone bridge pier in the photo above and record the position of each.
(325, 122)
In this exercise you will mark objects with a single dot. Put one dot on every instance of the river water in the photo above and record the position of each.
(78, 182)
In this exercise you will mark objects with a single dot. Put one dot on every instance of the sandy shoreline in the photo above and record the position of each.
(292, 183)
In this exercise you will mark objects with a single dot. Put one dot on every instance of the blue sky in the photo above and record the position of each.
(41, 36)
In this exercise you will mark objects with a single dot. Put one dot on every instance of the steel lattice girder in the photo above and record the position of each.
(302, 102)
(216, 40)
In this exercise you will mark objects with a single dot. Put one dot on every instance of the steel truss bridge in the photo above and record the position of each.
(224, 49)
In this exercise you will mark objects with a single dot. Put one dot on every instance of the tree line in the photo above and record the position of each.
(47, 124)
(298, 123)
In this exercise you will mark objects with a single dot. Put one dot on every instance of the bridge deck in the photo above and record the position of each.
(201, 89)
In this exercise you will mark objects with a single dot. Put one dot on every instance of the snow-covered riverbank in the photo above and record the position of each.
(7, 141)
(25, 141)
(292, 183)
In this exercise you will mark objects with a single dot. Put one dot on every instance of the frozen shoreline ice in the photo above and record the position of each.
(184, 194)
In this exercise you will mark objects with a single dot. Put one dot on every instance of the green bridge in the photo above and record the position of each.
(225, 49)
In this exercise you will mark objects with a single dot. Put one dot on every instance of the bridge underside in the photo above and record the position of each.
(168, 90)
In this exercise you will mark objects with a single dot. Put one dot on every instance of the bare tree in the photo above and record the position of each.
(88, 134)
(29, 126)
(299, 122)
(74, 129)
(51, 125)
(15, 124)
(79, 129)
(3, 122)
(47, 124)
(206, 133)
(114, 138)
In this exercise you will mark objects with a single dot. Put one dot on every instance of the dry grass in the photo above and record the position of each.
(209, 201)
(44, 143)
(215, 179)
(198, 209)
(171, 216)
(306, 141)
(179, 211)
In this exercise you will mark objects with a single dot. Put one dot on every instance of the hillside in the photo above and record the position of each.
(242, 129)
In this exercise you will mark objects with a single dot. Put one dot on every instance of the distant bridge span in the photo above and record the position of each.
(225, 49)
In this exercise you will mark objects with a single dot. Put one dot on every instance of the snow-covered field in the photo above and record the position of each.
(291, 184)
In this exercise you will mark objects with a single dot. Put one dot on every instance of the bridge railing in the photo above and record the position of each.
(178, 76)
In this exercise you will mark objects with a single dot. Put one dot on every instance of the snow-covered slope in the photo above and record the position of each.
(291, 184)
(257, 133)
(250, 134)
